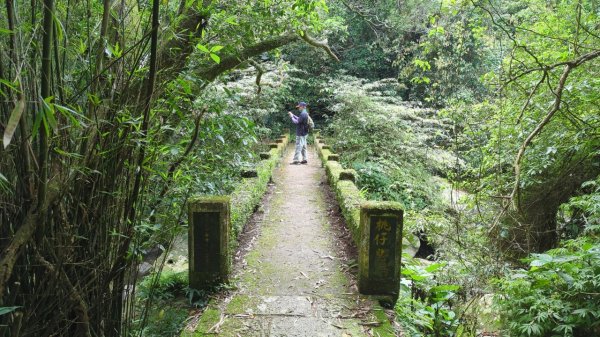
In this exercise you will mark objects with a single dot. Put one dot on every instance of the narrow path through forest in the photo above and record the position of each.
(292, 281)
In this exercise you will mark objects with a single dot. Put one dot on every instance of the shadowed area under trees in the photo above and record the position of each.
(480, 117)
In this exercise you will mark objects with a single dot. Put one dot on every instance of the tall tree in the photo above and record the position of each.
(74, 174)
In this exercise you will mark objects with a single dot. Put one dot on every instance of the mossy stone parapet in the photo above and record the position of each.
(376, 229)
(249, 173)
(333, 169)
(280, 140)
(380, 248)
(350, 199)
(348, 174)
(208, 240)
(273, 145)
(216, 221)
(324, 154)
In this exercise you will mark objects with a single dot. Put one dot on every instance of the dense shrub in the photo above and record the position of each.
(557, 295)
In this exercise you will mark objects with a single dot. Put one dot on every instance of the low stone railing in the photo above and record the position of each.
(376, 228)
(214, 222)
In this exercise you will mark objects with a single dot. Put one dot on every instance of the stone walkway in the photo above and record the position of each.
(291, 282)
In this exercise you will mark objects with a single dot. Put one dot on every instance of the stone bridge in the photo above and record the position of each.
(311, 257)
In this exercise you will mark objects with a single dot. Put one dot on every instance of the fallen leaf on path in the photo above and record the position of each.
(319, 283)
(304, 275)
(328, 257)
(339, 327)
(374, 323)
(243, 316)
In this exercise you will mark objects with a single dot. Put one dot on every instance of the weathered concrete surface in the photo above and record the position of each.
(291, 282)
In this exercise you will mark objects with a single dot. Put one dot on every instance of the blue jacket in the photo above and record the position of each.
(301, 123)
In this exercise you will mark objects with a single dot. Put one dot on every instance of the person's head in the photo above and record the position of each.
(301, 106)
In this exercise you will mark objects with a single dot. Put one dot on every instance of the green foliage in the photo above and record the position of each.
(248, 192)
(445, 63)
(167, 285)
(166, 294)
(425, 306)
(395, 148)
(581, 215)
(557, 295)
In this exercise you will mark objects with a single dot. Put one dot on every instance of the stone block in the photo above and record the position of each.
(380, 248)
(348, 174)
(265, 155)
(333, 157)
(249, 173)
(208, 240)
(273, 145)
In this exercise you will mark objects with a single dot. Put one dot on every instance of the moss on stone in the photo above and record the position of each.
(249, 173)
(323, 154)
(209, 199)
(241, 304)
(385, 329)
(246, 195)
(347, 194)
(350, 199)
(348, 174)
(333, 170)
(382, 205)
(209, 318)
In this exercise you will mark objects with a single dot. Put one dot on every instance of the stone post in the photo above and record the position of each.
(380, 248)
(208, 240)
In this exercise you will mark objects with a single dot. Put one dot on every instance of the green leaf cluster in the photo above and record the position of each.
(557, 295)
(425, 306)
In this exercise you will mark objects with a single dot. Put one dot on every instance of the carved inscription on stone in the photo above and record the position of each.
(382, 248)
(207, 249)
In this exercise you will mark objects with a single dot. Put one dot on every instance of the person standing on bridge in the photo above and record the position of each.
(301, 122)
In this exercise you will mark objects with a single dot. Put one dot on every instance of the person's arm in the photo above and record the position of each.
(294, 118)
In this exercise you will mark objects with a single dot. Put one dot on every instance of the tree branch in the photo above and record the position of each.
(555, 107)
(319, 44)
(229, 62)
(260, 71)
(232, 61)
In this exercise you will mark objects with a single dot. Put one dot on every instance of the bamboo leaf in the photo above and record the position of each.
(7, 84)
(48, 115)
(60, 29)
(13, 121)
(36, 124)
(4, 185)
(72, 115)
(7, 310)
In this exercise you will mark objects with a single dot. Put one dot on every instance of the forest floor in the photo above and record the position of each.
(295, 267)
